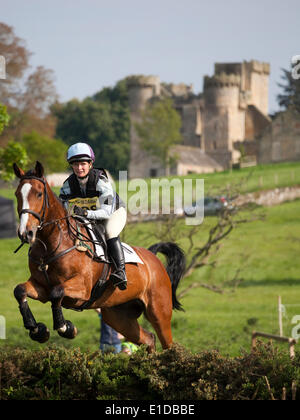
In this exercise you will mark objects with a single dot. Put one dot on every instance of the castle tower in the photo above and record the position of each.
(140, 90)
(227, 97)
(254, 81)
(223, 117)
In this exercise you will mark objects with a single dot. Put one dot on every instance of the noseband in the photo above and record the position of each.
(45, 202)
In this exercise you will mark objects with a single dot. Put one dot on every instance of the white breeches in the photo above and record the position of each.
(116, 223)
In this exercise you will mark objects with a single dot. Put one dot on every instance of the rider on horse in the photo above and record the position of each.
(89, 192)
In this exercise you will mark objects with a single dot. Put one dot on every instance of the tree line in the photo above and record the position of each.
(35, 125)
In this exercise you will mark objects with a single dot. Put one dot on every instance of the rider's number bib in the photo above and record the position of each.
(90, 203)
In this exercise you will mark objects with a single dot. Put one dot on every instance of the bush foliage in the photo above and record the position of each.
(174, 374)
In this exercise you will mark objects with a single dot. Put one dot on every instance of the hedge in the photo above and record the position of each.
(174, 374)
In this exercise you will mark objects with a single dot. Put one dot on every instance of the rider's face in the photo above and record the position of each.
(81, 169)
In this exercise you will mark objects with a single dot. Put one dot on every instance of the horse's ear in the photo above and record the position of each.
(18, 171)
(39, 170)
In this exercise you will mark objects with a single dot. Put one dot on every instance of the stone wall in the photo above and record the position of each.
(270, 197)
(280, 142)
(255, 122)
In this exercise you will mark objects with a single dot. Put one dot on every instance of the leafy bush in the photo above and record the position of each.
(12, 153)
(174, 374)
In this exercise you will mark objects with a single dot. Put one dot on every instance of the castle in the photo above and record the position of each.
(218, 125)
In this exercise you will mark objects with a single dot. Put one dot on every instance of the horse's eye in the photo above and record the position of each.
(39, 195)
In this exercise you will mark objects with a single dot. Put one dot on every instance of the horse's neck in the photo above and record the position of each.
(55, 220)
(55, 209)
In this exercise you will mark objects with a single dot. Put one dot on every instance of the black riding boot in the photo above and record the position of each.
(116, 253)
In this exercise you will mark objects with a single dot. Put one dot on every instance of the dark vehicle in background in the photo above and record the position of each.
(212, 206)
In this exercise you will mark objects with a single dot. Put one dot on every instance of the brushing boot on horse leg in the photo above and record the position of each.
(116, 254)
(37, 331)
(64, 328)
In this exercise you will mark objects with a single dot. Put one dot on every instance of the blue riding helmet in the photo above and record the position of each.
(80, 152)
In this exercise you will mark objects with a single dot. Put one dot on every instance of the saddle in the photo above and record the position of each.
(96, 246)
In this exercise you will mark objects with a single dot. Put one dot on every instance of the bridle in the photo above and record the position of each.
(40, 217)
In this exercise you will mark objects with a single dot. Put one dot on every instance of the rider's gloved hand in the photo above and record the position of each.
(78, 211)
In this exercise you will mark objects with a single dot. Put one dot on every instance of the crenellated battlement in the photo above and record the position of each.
(142, 81)
(259, 67)
(141, 89)
(222, 80)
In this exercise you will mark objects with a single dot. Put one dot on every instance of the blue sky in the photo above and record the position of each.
(91, 44)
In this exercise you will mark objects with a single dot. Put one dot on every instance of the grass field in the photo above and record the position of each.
(261, 177)
(267, 251)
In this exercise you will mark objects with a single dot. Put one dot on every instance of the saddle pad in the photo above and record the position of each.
(130, 255)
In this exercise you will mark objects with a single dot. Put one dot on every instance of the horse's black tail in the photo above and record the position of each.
(175, 266)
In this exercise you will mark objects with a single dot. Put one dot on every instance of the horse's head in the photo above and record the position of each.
(32, 201)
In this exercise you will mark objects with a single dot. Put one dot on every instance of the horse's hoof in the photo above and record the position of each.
(41, 334)
(70, 331)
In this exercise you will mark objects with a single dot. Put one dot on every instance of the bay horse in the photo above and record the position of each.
(64, 276)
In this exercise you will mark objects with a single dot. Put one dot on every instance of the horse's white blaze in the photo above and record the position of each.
(25, 206)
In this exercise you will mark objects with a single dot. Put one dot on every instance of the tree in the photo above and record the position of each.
(290, 98)
(159, 130)
(27, 97)
(51, 152)
(12, 153)
(39, 93)
(17, 58)
(4, 117)
(102, 121)
(87, 121)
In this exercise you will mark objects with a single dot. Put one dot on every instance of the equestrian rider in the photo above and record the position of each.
(89, 194)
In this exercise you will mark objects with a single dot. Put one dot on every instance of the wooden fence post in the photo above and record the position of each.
(280, 316)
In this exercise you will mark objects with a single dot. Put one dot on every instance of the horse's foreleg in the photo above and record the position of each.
(64, 328)
(37, 331)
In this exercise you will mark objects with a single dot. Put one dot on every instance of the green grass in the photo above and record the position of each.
(261, 177)
(268, 252)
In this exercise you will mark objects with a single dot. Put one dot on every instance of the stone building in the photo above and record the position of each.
(280, 141)
(232, 109)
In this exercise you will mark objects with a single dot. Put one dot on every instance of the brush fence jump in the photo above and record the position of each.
(291, 341)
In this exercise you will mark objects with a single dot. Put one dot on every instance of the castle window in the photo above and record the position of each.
(153, 173)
